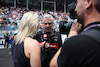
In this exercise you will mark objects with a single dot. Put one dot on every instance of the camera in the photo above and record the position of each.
(71, 9)
(64, 26)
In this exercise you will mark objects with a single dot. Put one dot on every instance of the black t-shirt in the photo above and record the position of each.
(6, 37)
(80, 51)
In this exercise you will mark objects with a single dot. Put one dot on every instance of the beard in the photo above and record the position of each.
(48, 29)
(80, 19)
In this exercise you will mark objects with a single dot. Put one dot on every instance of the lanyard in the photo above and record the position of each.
(91, 26)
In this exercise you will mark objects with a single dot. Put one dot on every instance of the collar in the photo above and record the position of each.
(91, 25)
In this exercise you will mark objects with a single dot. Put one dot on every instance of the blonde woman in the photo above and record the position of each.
(25, 50)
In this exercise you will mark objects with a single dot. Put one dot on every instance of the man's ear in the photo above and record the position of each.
(88, 4)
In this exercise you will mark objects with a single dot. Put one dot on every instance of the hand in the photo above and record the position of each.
(47, 45)
(75, 29)
(44, 43)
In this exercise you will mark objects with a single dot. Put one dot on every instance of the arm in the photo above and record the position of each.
(10, 37)
(53, 62)
(75, 29)
(32, 51)
(3, 37)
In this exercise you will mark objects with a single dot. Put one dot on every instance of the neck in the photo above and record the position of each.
(94, 16)
(50, 31)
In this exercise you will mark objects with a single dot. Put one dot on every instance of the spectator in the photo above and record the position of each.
(6, 37)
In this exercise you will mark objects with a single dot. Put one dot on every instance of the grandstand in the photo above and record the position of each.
(37, 3)
(11, 12)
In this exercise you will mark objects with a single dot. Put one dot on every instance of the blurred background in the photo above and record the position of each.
(11, 12)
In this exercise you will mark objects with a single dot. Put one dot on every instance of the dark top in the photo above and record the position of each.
(54, 38)
(6, 37)
(80, 51)
(18, 55)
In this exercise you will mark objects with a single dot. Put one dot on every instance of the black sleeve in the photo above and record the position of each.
(37, 36)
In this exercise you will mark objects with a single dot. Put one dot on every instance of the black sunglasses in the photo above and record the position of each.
(47, 23)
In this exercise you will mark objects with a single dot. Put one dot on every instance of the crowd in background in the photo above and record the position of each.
(10, 17)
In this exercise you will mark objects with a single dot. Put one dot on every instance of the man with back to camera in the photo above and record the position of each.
(82, 50)
(52, 37)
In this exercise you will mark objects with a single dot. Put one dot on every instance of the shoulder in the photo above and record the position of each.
(76, 42)
(79, 43)
(39, 32)
(74, 45)
(30, 46)
(78, 38)
(30, 41)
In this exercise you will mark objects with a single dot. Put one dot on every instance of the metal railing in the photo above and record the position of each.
(8, 27)
(5, 26)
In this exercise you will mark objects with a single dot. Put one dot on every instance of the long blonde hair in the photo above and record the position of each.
(28, 26)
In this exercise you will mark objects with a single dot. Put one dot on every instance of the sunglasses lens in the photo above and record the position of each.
(47, 23)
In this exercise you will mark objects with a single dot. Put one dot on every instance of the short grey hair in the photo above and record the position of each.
(48, 16)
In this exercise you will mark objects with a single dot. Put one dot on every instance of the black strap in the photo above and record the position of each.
(92, 33)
